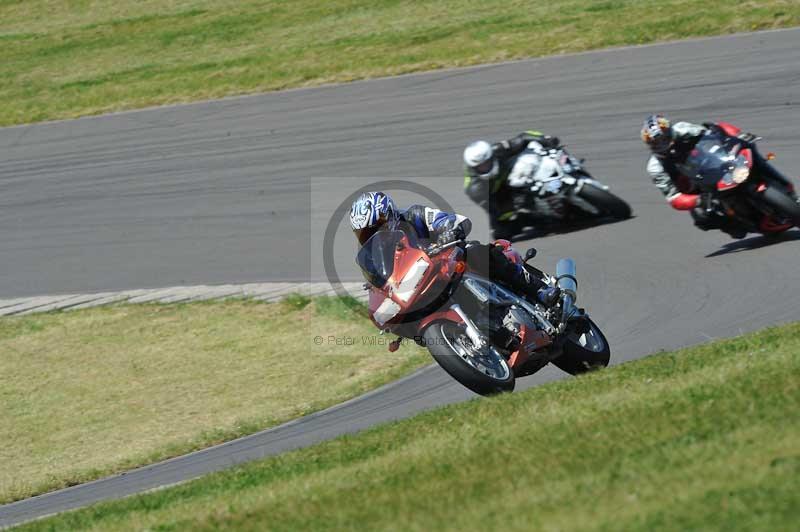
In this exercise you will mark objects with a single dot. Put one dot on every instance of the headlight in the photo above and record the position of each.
(740, 174)
(407, 286)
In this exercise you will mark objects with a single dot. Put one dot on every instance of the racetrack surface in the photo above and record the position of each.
(240, 190)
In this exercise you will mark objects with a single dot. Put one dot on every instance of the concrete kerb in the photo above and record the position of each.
(269, 292)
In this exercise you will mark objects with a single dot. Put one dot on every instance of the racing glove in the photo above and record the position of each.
(748, 137)
(450, 235)
(549, 142)
(745, 136)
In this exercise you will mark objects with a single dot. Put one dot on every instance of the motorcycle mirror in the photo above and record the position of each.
(530, 254)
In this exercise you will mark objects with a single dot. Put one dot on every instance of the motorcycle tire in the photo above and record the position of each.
(584, 352)
(441, 340)
(783, 204)
(606, 202)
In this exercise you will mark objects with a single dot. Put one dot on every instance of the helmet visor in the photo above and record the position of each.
(485, 167)
(366, 233)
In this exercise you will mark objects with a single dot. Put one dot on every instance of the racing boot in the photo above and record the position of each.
(534, 290)
(518, 278)
(548, 296)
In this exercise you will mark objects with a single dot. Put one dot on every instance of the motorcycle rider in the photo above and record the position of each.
(487, 167)
(670, 145)
(372, 210)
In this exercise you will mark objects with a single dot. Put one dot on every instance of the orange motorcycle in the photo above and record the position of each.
(481, 332)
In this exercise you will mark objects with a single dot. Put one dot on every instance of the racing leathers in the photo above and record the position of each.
(495, 195)
(678, 188)
(488, 260)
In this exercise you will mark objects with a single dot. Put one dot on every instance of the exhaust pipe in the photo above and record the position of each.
(568, 283)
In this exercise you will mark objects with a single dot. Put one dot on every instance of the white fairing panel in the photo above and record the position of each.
(524, 169)
(531, 167)
(411, 279)
(386, 311)
(549, 168)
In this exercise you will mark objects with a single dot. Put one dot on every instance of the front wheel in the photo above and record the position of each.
(484, 371)
(584, 352)
(607, 203)
(782, 204)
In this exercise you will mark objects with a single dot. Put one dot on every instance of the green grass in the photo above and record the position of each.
(66, 59)
(706, 438)
(95, 391)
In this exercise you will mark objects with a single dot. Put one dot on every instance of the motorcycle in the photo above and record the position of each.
(480, 332)
(722, 167)
(556, 188)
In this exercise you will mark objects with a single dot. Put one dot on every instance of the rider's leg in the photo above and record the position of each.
(706, 220)
(488, 260)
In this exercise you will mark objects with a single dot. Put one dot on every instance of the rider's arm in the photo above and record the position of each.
(431, 223)
(478, 190)
(547, 141)
(663, 181)
(687, 132)
(515, 145)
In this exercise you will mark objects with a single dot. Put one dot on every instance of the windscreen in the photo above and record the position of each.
(376, 257)
(708, 160)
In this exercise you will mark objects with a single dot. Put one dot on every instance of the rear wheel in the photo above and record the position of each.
(584, 352)
(484, 371)
(782, 204)
(607, 203)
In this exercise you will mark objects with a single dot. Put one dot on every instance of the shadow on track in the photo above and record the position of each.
(755, 242)
(572, 226)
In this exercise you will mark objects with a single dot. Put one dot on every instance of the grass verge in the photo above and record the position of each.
(95, 391)
(706, 438)
(66, 59)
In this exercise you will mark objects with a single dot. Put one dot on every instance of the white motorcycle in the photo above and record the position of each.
(556, 189)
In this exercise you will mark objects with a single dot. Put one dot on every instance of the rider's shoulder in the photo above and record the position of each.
(412, 211)
(687, 129)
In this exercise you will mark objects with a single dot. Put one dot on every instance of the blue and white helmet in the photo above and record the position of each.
(369, 212)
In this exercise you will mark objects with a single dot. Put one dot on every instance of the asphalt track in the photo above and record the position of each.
(239, 190)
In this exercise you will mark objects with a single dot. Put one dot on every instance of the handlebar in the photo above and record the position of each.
(434, 249)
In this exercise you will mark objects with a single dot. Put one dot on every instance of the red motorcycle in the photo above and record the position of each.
(482, 333)
(736, 182)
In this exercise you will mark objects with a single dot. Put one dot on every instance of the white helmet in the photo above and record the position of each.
(480, 160)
